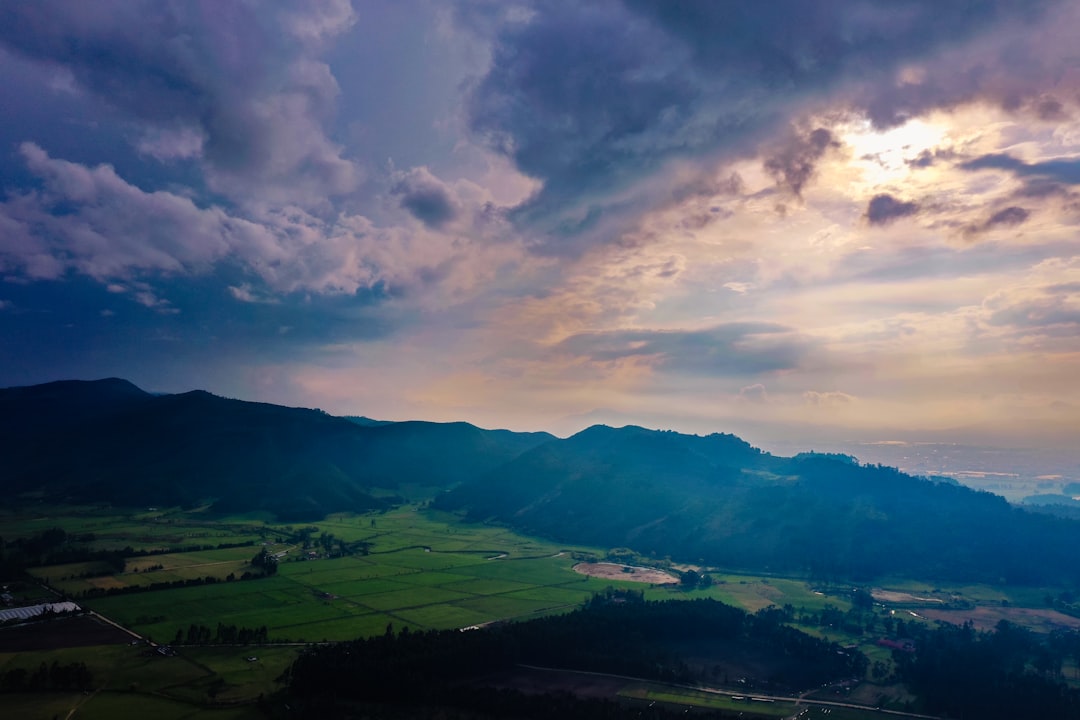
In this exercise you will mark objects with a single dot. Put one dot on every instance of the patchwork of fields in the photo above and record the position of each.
(409, 568)
(420, 572)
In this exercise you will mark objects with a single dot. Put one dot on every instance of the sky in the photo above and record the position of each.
(791, 220)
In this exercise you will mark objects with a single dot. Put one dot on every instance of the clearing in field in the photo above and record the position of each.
(630, 573)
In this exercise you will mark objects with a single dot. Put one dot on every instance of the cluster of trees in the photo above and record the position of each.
(1005, 674)
(56, 546)
(615, 632)
(330, 545)
(51, 547)
(265, 561)
(70, 676)
(223, 635)
(691, 579)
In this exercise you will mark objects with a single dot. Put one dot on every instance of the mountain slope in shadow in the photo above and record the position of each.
(108, 441)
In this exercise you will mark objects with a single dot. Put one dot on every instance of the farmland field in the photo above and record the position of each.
(406, 568)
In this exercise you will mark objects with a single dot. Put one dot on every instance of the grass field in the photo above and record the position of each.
(746, 704)
(422, 570)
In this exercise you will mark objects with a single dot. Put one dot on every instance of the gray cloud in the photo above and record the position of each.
(1051, 315)
(1009, 217)
(1065, 171)
(234, 84)
(732, 349)
(590, 98)
(884, 208)
(794, 164)
(426, 197)
(72, 223)
(911, 263)
(1050, 108)
(927, 157)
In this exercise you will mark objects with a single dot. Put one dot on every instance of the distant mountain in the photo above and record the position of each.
(717, 499)
(109, 441)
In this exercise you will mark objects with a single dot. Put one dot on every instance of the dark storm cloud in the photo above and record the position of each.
(884, 208)
(232, 83)
(1064, 171)
(733, 349)
(591, 97)
(1010, 216)
(795, 163)
(928, 158)
(583, 96)
(426, 198)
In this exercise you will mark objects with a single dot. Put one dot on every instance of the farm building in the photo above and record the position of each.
(31, 611)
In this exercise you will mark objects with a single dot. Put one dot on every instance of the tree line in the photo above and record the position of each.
(615, 632)
(223, 635)
(56, 546)
(1009, 673)
(57, 676)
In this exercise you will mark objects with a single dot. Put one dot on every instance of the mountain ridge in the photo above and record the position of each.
(715, 498)
(109, 441)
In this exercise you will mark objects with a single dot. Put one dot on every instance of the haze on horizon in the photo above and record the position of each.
(839, 219)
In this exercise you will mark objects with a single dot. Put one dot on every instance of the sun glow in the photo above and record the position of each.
(884, 157)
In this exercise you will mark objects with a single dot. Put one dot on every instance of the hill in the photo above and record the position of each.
(109, 441)
(718, 499)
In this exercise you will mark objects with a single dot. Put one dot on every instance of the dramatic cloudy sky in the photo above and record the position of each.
(810, 219)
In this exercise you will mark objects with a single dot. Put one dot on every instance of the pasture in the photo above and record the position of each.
(420, 573)
(407, 568)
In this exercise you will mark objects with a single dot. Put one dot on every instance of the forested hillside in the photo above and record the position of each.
(718, 500)
(108, 441)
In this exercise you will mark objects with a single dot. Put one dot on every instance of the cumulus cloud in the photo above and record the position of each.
(755, 393)
(426, 197)
(233, 84)
(91, 221)
(590, 98)
(246, 293)
(884, 208)
(830, 398)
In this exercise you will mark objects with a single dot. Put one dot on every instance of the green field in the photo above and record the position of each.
(421, 572)
(418, 569)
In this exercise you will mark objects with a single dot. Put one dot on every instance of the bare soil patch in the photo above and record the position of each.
(894, 596)
(106, 582)
(631, 573)
(78, 631)
(985, 618)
